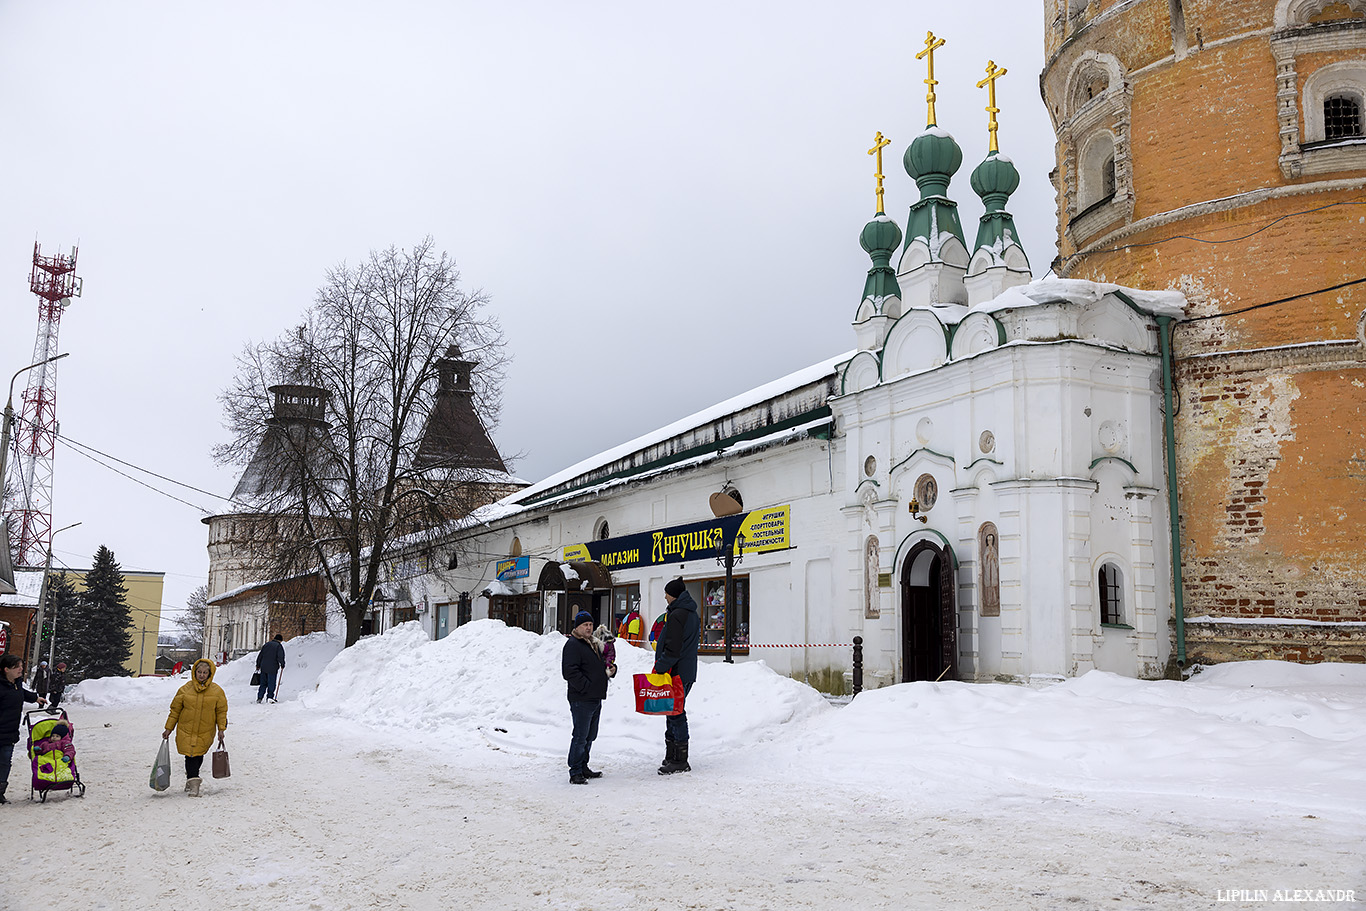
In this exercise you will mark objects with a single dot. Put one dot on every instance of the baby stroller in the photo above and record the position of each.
(53, 756)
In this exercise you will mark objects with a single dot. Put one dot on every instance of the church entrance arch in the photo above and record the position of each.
(929, 614)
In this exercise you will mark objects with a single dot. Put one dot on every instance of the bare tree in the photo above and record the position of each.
(330, 422)
(192, 619)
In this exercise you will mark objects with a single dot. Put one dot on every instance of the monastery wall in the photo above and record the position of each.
(1218, 195)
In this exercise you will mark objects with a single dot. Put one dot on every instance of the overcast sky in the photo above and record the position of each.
(639, 188)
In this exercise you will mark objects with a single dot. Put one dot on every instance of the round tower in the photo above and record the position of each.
(1217, 147)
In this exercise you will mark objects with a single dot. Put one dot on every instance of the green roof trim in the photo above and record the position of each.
(805, 417)
(1097, 461)
(951, 459)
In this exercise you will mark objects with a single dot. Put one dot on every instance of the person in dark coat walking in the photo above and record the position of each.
(13, 695)
(586, 673)
(270, 661)
(56, 685)
(40, 679)
(676, 653)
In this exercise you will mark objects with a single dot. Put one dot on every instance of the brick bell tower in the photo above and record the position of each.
(1217, 147)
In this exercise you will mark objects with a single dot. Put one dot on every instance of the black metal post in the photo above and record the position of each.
(858, 665)
(730, 599)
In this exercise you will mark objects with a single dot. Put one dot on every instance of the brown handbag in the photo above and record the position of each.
(220, 764)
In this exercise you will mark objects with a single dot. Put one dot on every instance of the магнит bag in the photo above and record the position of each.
(659, 694)
(220, 764)
(160, 779)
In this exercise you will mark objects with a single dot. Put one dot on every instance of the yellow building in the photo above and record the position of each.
(144, 604)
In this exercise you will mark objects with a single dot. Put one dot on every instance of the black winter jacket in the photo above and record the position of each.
(56, 683)
(583, 668)
(677, 650)
(12, 699)
(271, 656)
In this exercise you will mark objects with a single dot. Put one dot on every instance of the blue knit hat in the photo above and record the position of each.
(583, 616)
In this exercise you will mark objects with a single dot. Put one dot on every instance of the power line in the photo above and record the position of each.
(1283, 300)
(207, 493)
(135, 480)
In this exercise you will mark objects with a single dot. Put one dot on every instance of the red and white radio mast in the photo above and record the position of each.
(54, 281)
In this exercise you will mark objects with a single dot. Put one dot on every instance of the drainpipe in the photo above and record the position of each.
(1173, 509)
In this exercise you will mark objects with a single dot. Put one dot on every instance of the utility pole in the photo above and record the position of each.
(36, 651)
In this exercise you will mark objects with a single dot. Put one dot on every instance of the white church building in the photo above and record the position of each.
(978, 490)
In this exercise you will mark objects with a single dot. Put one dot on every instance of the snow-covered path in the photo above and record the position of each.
(325, 811)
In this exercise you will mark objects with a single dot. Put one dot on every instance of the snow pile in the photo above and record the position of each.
(305, 658)
(1288, 732)
(487, 682)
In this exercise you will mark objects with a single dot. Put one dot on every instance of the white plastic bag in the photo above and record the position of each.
(160, 778)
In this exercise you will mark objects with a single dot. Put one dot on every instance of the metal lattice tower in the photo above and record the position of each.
(55, 283)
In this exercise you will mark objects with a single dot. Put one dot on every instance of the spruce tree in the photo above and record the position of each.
(103, 638)
(62, 613)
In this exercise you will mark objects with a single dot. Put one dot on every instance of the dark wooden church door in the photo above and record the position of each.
(929, 620)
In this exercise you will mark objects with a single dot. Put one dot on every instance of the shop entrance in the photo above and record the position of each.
(929, 617)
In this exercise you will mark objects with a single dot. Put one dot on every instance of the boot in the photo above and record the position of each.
(192, 787)
(187, 785)
(677, 759)
(668, 755)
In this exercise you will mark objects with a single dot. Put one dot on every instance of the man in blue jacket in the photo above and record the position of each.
(676, 653)
(586, 673)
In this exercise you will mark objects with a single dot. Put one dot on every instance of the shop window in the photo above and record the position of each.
(1111, 583)
(711, 597)
(404, 614)
(520, 611)
(1341, 117)
(625, 598)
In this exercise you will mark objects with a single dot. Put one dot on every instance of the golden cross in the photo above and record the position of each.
(932, 44)
(878, 145)
(994, 72)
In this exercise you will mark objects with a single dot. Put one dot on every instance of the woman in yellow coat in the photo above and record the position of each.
(198, 708)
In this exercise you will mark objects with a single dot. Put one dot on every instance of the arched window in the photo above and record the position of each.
(1342, 116)
(1097, 166)
(1111, 589)
(602, 531)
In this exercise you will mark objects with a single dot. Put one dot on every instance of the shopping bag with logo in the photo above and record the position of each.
(659, 694)
(220, 764)
(160, 779)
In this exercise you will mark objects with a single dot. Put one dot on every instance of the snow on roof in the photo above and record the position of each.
(731, 405)
(27, 584)
(1079, 291)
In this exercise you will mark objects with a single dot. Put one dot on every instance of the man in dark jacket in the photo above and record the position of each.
(40, 679)
(586, 674)
(676, 653)
(13, 695)
(269, 661)
(56, 685)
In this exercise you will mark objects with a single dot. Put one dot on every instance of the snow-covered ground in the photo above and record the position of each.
(411, 774)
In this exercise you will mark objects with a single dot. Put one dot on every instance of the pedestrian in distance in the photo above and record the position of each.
(632, 628)
(586, 675)
(676, 654)
(270, 661)
(199, 708)
(40, 679)
(13, 695)
(56, 685)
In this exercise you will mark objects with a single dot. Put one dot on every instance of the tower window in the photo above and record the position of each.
(1342, 117)
(1111, 584)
